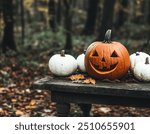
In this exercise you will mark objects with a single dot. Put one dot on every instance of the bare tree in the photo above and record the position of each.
(91, 17)
(122, 14)
(0, 18)
(22, 20)
(8, 37)
(68, 23)
(59, 11)
(132, 10)
(52, 14)
(146, 44)
(107, 18)
(148, 14)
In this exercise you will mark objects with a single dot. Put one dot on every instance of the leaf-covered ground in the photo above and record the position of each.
(19, 71)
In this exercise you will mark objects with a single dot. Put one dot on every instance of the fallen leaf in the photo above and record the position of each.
(3, 72)
(47, 110)
(19, 113)
(104, 109)
(24, 70)
(31, 107)
(89, 81)
(77, 77)
(1, 110)
(28, 90)
(12, 85)
(26, 115)
(13, 100)
(33, 102)
(2, 89)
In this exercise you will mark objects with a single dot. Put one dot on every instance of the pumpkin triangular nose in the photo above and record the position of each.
(103, 59)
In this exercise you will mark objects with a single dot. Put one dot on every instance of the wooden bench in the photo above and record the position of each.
(64, 92)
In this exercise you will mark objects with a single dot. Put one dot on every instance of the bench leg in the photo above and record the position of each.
(86, 108)
(62, 109)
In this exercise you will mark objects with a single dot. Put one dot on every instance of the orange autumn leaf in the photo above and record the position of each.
(19, 113)
(2, 89)
(89, 81)
(1, 110)
(13, 100)
(31, 107)
(77, 77)
(33, 102)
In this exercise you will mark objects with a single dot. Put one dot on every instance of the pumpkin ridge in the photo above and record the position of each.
(122, 54)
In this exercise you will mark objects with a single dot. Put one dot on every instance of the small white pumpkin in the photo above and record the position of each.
(62, 64)
(136, 58)
(80, 62)
(142, 71)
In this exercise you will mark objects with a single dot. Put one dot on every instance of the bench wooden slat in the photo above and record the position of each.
(140, 90)
(64, 92)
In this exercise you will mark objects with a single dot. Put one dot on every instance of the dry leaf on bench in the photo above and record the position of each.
(89, 81)
(77, 77)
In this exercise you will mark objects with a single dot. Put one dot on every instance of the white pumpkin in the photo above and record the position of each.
(136, 58)
(80, 62)
(62, 64)
(142, 70)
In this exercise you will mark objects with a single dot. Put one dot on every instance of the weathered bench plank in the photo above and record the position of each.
(141, 90)
(64, 92)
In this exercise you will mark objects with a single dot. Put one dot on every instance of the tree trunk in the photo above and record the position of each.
(122, 14)
(132, 10)
(59, 12)
(146, 45)
(107, 18)
(0, 19)
(91, 17)
(52, 14)
(0, 6)
(22, 21)
(148, 16)
(8, 38)
(68, 23)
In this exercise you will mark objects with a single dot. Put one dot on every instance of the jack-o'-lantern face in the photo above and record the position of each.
(104, 64)
(108, 60)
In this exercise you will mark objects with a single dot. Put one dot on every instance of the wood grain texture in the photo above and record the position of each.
(137, 90)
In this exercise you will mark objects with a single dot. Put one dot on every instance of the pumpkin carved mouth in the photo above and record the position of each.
(104, 70)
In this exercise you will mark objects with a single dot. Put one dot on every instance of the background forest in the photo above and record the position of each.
(31, 31)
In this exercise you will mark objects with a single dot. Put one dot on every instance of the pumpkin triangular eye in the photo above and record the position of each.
(114, 54)
(95, 53)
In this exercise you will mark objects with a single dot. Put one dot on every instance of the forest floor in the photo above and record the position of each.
(19, 71)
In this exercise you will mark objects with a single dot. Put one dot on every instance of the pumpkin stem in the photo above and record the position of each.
(137, 53)
(62, 53)
(147, 60)
(107, 38)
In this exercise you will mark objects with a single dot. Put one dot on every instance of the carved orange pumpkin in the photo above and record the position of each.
(107, 60)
